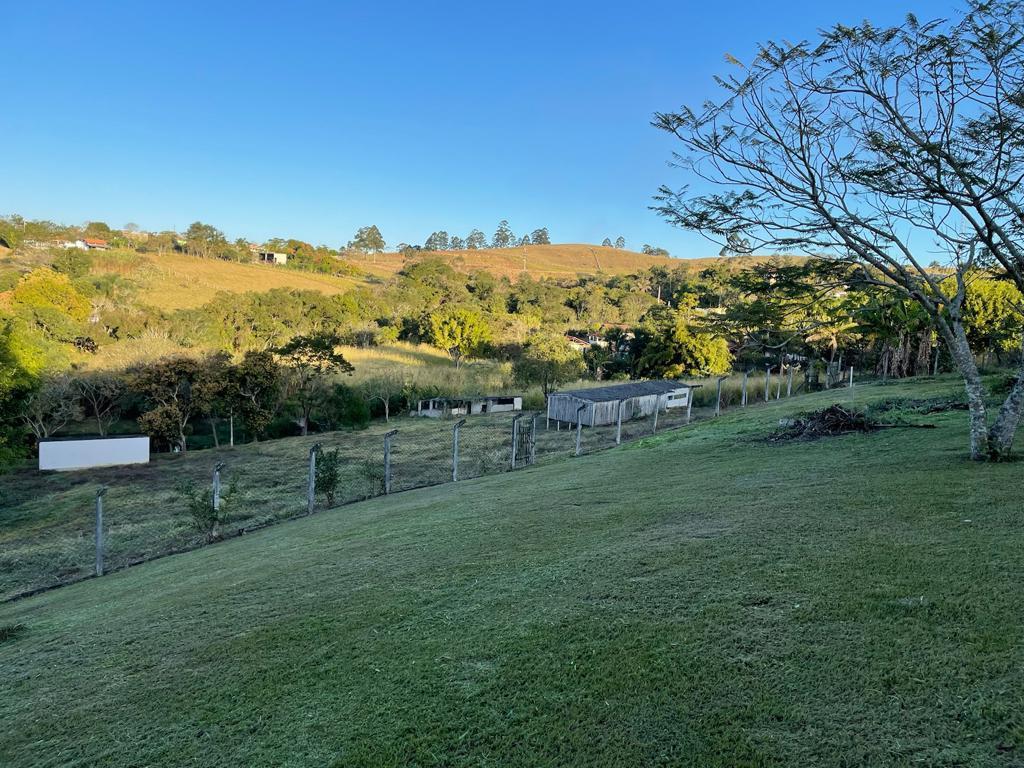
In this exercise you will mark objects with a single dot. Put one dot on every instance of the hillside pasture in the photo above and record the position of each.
(703, 598)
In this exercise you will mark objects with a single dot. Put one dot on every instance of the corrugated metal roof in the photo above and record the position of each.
(623, 391)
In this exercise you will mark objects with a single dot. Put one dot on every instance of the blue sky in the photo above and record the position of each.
(310, 119)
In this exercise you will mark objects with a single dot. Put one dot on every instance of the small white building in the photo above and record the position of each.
(272, 257)
(65, 453)
(440, 407)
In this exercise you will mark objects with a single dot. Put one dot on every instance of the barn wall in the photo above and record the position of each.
(563, 408)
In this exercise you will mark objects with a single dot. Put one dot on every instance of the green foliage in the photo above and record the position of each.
(50, 302)
(459, 331)
(503, 237)
(345, 407)
(368, 240)
(198, 506)
(73, 262)
(548, 360)
(312, 360)
(667, 346)
(328, 475)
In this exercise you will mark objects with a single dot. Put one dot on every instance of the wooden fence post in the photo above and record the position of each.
(789, 383)
(99, 529)
(533, 438)
(387, 460)
(579, 428)
(311, 480)
(455, 449)
(657, 408)
(689, 403)
(743, 400)
(515, 438)
(618, 424)
(718, 396)
(767, 382)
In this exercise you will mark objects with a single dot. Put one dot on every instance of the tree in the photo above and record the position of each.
(667, 346)
(476, 239)
(50, 302)
(620, 242)
(457, 243)
(524, 240)
(384, 389)
(438, 241)
(255, 387)
(459, 331)
(540, 236)
(51, 406)
(102, 394)
(204, 240)
(503, 237)
(312, 360)
(651, 250)
(871, 147)
(367, 240)
(548, 360)
(606, 243)
(176, 389)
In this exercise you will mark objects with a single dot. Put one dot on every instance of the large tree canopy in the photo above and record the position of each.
(877, 147)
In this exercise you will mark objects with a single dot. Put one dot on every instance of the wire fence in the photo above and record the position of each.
(146, 513)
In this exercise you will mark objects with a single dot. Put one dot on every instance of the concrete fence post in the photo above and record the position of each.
(851, 377)
(743, 399)
(387, 460)
(216, 485)
(718, 396)
(689, 403)
(455, 448)
(99, 529)
(618, 424)
(657, 409)
(311, 480)
(533, 438)
(515, 438)
(579, 428)
(789, 383)
(767, 382)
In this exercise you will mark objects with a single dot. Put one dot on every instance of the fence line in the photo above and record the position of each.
(417, 454)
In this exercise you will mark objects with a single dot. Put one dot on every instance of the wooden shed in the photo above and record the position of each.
(638, 398)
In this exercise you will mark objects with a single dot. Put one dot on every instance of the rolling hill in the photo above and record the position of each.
(702, 598)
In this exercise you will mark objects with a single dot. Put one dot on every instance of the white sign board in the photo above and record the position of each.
(63, 454)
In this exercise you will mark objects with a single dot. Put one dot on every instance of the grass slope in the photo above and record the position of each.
(178, 281)
(702, 598)
(562, 260)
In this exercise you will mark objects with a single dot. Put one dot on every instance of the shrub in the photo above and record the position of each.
(328, 475)
(199, 507)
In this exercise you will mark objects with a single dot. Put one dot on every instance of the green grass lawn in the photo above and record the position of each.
(699, 598)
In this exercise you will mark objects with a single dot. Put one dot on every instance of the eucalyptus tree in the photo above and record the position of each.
(883, 148)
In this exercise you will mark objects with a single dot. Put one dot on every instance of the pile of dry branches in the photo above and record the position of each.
(828, 422)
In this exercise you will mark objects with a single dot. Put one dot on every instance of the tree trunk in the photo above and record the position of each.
(965, 363)
(1000, 438)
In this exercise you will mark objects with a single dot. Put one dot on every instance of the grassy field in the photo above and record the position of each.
(700, 598)
(178, 281)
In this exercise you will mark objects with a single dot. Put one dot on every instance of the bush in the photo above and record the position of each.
(199, 507)
(328, 475)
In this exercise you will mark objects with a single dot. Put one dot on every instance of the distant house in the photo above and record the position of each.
(94, 243)
(580, 345)
(272, 257)
(600, 405)
(439, 407)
